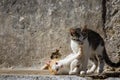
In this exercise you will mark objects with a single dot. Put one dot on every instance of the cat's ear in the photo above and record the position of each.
(84, 28)
(48, 62)
(85, 31)
(72, 31)
(52, 56)
(57, 50)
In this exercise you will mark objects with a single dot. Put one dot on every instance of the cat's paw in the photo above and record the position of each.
(72, 73)
(99, 71)
(89, 71)
(82, 72)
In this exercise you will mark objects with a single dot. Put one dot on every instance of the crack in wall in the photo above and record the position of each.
(104, 16)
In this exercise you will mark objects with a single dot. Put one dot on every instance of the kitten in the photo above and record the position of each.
(93, 49)
(55, 56)
(64, 66)
(68, 65)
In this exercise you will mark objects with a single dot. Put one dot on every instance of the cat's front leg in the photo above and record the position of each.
(83, 70)
(101, 64)
(94, 62)
(74, 71)
(84, 62)
(84, 59)
(73, 67)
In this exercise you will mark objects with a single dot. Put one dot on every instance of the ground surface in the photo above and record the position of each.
(46, 75)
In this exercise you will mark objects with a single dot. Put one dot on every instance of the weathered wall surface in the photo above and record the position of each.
(31, 29)
(112, 26)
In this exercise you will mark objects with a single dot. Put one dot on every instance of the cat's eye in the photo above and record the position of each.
(56, 63)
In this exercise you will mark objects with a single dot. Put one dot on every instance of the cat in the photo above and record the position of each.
(67, 65)
(93, 49)
(55, 56)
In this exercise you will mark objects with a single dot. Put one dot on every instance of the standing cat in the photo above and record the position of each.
(93, 49)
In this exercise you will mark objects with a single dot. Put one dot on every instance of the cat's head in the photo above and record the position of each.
(49, 66)
(57, 67)
(77, 34)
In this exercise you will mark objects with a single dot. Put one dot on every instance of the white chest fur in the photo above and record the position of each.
(74, 46)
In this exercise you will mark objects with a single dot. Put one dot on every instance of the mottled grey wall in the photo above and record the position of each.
(112, 27)
(31, 29)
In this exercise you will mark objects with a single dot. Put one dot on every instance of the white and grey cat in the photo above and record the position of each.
(93, 49)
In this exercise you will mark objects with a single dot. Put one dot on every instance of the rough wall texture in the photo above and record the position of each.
(113, 28)
(31, 29)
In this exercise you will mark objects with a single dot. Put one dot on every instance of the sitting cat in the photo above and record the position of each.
(93, 49)
(68, 65)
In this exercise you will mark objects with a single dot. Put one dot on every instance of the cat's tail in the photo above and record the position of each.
(108, 61)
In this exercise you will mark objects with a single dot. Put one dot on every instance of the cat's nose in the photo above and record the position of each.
(81, 43)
